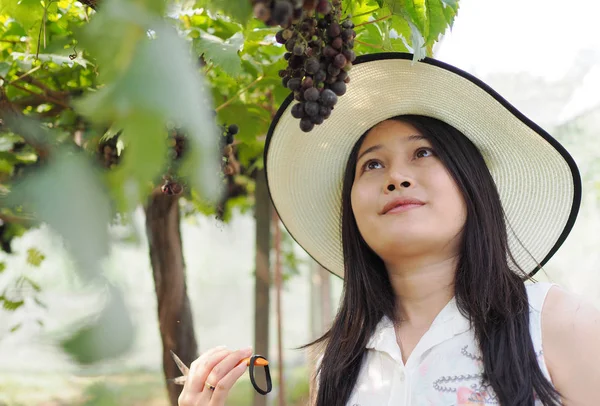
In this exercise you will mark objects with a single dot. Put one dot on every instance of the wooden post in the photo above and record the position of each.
(262, 213)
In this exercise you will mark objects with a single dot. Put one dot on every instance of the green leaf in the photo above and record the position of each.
(109, 336)
(2, 267)
(82, 223)
(27, 12)
(239, 10)
(224, 54)
(161, 83)
(15, 327)
(58, 59)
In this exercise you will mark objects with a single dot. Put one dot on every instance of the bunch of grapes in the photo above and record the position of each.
(107, 152)
(282, 12)
(320, 55)
(229, 164)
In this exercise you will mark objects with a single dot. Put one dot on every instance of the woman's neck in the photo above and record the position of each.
(423, 288)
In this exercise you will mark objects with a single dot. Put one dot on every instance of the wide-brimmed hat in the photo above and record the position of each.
(538, 181)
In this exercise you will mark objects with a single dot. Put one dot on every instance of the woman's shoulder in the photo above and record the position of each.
(571, 330)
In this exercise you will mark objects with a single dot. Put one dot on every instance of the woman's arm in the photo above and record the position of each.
(571, 344)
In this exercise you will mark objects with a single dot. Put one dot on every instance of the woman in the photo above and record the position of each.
(449, 200)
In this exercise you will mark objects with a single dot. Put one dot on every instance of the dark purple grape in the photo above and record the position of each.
(331, 79)
(284, 81)
(289, 45)
(324, 7)
(329, 51)
(233, 129)
(299, 49)
(311, 94)
(306, 124)
(348, 34)
(298, 13)
(332, 70)
(350, 44)
(328, 98)
(322, 23)
(279, 37)
(339, 61)
(320, 76)
(311, 108)
(287, 56)
(298, 110)
(349, 54)
(324, 111)
(337, 43)
(343, 75)
(339, 88)
(348, 66)
(348, 24)
(334, 30)
(294, 84)
(312, 66)
(283, 73)
(296, 62)
(307, 82)
(317, 119)
(282, 12)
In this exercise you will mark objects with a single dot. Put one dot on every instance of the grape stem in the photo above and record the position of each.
(374, 21)
(368, 45)
(238, 94)
(366, 13)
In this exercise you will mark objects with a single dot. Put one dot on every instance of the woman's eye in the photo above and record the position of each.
(369, 165)
(424, 152)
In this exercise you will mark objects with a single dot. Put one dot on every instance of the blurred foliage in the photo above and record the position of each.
(88, 99)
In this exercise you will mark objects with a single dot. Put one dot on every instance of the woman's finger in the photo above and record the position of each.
(226, 383)
(219, 371)
(201, 367)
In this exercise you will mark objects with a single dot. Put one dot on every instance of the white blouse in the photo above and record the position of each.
(444, 369)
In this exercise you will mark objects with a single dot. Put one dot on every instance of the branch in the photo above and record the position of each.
(366, 13)
(368, 45)
(25, 221)
(42, 95)
(13, 41)
(373, 21)
(228, 102)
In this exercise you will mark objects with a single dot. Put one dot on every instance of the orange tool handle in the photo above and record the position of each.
(259, 362)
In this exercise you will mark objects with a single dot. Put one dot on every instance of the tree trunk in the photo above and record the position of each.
(168, 268)
(262, 213)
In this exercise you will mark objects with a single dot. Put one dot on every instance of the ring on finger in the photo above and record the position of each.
(209, 386)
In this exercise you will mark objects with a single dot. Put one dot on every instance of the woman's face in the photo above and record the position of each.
(395, 153)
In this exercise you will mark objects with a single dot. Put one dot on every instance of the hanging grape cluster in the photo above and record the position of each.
(177, 143)
(178, 146)
(319, 55)
(229, 164)
(281, 12)
(107, 152)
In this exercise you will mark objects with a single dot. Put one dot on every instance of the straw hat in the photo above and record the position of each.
(538, 181)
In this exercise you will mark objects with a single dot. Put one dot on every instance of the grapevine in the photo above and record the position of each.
(319, 54)
(178, 145)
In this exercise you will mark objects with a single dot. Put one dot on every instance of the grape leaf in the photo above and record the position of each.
(223, 54)
(239, 10)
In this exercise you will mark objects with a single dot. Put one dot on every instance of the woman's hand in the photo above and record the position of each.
(215, 369)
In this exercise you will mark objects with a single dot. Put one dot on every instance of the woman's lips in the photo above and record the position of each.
(403, 207)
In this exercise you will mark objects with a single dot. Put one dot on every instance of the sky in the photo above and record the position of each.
(541, 37)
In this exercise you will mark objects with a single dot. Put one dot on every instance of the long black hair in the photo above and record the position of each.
(488, 292)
